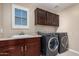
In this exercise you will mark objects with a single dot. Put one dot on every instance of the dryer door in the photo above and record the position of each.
(53, 44)
(64, 41)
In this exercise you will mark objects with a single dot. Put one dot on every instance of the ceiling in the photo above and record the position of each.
(53, 7)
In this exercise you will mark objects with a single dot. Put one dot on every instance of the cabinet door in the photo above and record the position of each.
(10, 51)
(15, 50)
(4, 51)
(11, 48)
(40, 16)
(32, 47)
(56, 20)
(52, 19)
(16, 47)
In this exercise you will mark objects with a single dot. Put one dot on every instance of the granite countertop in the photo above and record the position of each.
(20, 37)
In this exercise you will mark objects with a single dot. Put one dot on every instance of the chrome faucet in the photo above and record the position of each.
(21, 33)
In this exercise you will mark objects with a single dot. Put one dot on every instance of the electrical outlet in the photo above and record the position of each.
(1, 30)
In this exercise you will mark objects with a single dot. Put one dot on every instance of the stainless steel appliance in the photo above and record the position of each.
(63, 42)
(49, 44)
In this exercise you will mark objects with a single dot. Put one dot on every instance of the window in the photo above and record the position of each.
(20, 17)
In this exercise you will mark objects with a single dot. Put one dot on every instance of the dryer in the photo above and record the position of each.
(49, 44)
(63, 42)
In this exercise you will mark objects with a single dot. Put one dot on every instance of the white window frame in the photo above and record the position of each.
(13, 17)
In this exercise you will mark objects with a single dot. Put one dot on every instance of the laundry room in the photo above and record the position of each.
(39, 29)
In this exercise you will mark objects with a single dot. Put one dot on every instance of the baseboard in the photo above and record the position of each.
(74, 51)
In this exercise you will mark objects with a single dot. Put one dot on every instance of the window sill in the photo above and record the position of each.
(20, 27)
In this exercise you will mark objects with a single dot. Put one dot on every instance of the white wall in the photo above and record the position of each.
(7, 20)
(69, 22)
(1, 19)
(6, 15)
(46, 29)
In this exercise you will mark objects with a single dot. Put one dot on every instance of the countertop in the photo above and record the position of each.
(19, 37)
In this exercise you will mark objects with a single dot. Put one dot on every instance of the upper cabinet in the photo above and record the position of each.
(40, 16)
(43, 17)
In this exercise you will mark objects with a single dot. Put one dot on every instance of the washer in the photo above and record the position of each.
(49, 44)
(63, 42)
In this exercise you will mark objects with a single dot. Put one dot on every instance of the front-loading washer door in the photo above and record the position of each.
(53, 44)
(64, 41)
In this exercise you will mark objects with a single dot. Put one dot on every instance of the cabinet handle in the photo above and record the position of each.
(25, 48)
(22, 48)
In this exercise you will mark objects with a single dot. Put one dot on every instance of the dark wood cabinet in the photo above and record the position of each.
(6, 49)
(15, 50)
(43, 17)
(52, 19)
(40, 16)
(16, 47)
(20, 47)
(11, 48)
(32, 47)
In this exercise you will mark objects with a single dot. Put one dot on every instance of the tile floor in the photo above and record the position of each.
(68, 53)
